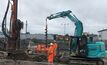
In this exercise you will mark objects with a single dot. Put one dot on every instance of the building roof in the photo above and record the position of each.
(102, 30)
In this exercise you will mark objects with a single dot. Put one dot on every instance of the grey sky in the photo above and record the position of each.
(91, 12)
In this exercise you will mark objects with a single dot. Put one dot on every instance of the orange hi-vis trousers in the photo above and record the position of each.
(51, 54)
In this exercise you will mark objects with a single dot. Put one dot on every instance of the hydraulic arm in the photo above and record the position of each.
(73, 18)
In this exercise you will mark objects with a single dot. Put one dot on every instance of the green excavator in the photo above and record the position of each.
(81, 48)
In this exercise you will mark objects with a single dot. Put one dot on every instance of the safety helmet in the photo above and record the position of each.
(51, 43)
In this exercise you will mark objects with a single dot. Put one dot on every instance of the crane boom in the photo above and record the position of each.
(78, 29)
(73, 18)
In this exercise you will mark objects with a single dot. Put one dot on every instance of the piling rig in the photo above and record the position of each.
(13, 49)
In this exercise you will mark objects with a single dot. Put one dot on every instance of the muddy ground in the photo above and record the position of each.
(19, 62)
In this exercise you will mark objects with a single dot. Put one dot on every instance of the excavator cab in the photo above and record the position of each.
(81, 49)
(88, 48)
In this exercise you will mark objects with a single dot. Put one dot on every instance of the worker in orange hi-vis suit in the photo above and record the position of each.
(51, 53)
(55, 48)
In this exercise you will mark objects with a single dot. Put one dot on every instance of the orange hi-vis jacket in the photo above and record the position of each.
(51, 54)
(55, 48)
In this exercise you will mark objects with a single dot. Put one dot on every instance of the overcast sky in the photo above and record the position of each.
(92, 13)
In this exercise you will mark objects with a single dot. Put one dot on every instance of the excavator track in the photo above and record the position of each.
(85, 61)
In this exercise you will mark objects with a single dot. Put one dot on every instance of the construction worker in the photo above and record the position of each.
(51, 53)
(55, 47)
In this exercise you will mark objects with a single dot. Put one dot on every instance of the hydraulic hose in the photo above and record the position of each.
(3, 28)
(19, 24)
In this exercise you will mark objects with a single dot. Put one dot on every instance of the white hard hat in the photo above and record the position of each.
(51, 43)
